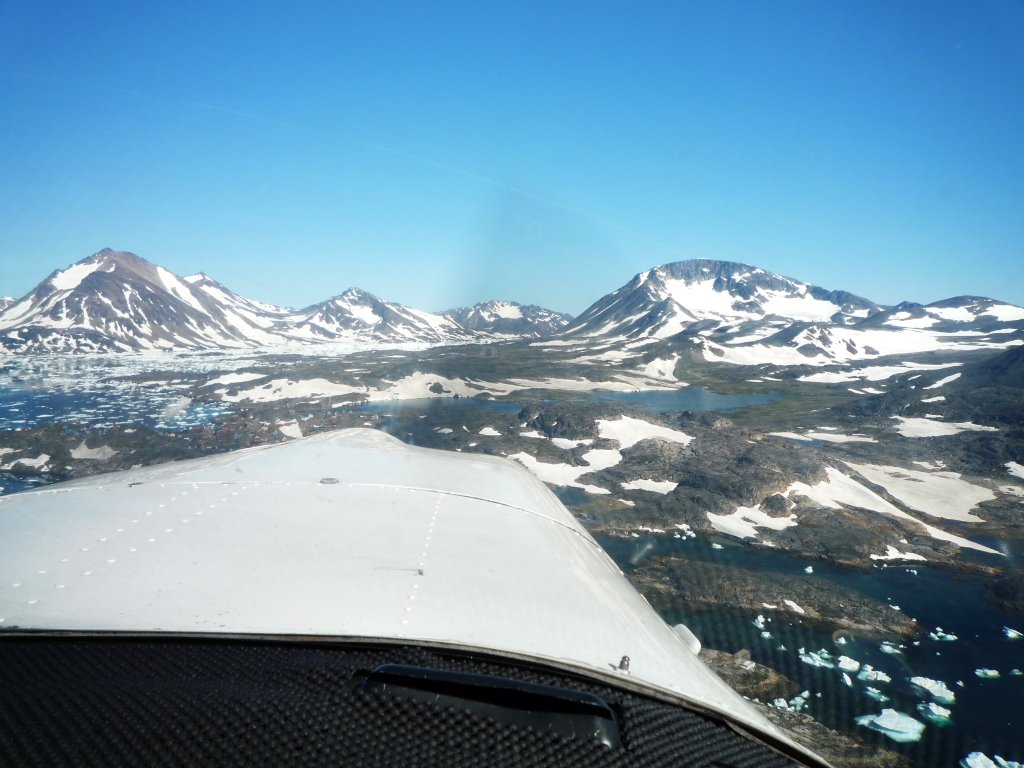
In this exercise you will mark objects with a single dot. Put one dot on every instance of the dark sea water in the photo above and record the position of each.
(988, 715)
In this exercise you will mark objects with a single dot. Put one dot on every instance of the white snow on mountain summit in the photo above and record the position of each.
(115, 301)
(507, 318)
(727, 312)
(743, 315)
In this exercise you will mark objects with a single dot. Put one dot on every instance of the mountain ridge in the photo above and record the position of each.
(116, 301)
(732, 312)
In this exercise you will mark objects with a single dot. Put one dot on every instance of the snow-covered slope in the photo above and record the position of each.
(666, 300)
(356, 314)
(6, 301)
(507, 318)
(741, 314)
(116, 301)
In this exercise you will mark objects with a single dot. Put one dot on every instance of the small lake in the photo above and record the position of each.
(988, 714)
(684, 399)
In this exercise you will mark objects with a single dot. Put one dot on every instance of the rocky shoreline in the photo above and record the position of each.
(673, 583)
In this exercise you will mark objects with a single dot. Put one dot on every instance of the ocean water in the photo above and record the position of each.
(988, 714)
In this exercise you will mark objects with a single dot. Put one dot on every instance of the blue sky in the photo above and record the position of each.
(442, 154)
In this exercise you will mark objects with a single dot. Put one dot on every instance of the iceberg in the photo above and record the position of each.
(936, 688)
(935, 714)
(876, 694)
(987, 674)
(896, 725)
(847, 664)
(1013, 634)
(870, 674)
(981, 760)
(819, 659)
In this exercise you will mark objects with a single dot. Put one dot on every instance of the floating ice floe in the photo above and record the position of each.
(896, 725)
(870, 674)
(759, 622)
(716, 545)
(847, 680)
(840, 640)
(935, 714)
(936, 688)
(847, 664)
(938, 634)
(876, 694)
(981, 760)
(1013, 634)
(809, 569)
(820, 659)
(1016, 672)
(987, 674)
(887, 647)
(766, 635)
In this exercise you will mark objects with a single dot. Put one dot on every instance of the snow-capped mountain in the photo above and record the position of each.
(356, 314)
(6, 301)
(116, 301)
(745, 315)
(666, 300)
(508, 318)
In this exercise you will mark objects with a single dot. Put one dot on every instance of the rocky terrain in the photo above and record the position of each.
(672, 583)
(760, 684)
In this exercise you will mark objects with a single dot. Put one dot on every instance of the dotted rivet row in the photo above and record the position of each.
(35, 600)
(422, 562)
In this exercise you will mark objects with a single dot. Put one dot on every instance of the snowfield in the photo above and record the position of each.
(911, 427)
(938, 494)
(629, 431)
(840, 490)
(744, 522)
(654, 486)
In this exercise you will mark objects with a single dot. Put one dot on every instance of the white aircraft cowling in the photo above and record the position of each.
(409, 544)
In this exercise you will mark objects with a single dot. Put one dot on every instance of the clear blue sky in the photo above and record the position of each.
(442, 154)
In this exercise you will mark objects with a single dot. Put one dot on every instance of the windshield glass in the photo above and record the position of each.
(742, 284)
